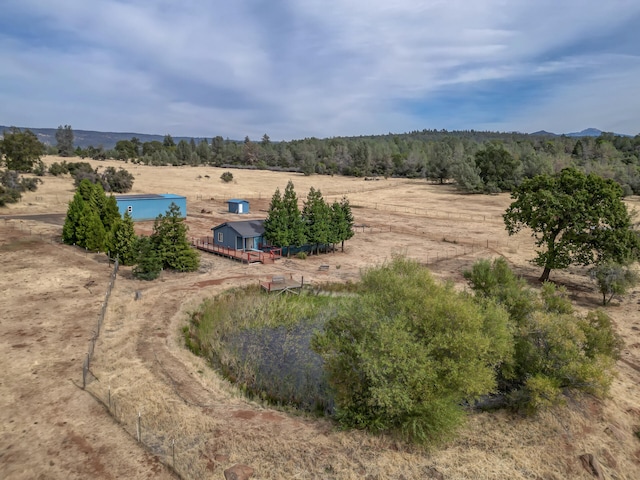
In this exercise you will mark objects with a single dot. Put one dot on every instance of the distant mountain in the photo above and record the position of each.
(544, 133)
(587, 132)
(108, 140)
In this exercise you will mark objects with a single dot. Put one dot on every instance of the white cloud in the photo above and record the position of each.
(312, 68)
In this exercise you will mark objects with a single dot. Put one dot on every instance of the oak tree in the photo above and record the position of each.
(574, 218)
(21, 149)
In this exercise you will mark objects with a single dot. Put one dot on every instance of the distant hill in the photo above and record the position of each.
(108, 140)
(587, 132)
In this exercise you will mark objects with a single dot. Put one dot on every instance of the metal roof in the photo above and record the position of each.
(245, 228)
(237, 200)
(147, 196)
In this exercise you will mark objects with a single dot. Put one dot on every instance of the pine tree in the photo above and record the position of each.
(122, 240)
(317, 219)
(346, 227)
(295, 224)
(109, 213)
(337, 223)
(148, 262)
(75, 211)
(276, 230)
(94, 235)
(170, 241)
(86, 190)
(64, 139)
(90, 217)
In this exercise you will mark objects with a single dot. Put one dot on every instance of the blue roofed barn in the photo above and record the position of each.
(149, 205)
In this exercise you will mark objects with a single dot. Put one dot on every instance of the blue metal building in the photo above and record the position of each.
(149, 205)
(242, 235)
(237, 205)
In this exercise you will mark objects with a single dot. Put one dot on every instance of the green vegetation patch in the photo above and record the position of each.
(402, 353)
(262, 343)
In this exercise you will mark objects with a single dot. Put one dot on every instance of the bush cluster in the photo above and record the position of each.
(556, 351)
(407, 352)
(13, 185)
(111, 180)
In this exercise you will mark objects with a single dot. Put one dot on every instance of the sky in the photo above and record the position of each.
(320, 68)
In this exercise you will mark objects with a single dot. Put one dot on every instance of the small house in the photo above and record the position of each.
(238, 206)
(148, 206)
(242, 235)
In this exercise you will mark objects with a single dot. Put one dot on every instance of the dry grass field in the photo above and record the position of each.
(51, 294)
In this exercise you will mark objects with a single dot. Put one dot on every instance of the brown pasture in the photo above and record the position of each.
(51, 294)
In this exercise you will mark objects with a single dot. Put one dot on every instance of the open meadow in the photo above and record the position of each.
(144, 383)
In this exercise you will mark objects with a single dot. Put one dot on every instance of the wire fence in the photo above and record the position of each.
(160, 430)
(426, 212)
(450, 245)
(86, 364)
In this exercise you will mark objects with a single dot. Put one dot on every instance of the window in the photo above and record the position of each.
(130, 208)
(220, 237)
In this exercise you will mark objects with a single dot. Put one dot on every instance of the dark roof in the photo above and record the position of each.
(237, 200)
(245, 228)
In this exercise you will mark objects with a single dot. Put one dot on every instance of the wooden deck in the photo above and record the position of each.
(283, 283)
(247, 256)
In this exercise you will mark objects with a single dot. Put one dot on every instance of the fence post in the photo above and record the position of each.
(84, 373)
(139, 433)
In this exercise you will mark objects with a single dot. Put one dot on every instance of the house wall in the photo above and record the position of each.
(142, 209)
(229, 237)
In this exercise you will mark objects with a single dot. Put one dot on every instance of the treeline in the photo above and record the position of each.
(477, 161)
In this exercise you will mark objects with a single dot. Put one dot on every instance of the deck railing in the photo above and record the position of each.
(250, 256)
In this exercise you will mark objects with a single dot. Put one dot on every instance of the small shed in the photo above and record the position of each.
(148, 206)
(242, 235)
(237, 205)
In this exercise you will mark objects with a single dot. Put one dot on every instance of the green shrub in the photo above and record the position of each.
(539, 392)
(613, 279)
(57, 169)
(406, 352)
(301, 255)
(226, 177)
(555, 350)
(12, 185)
